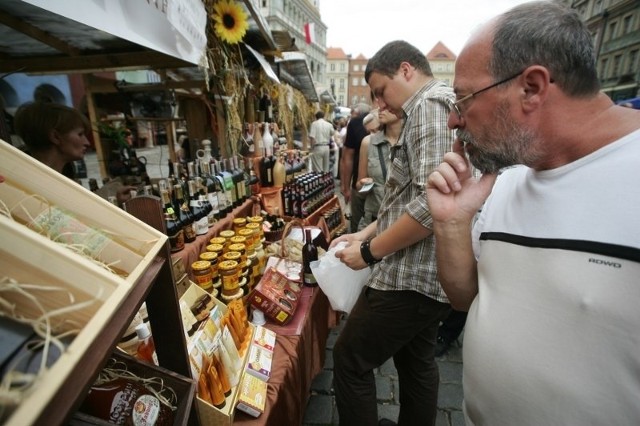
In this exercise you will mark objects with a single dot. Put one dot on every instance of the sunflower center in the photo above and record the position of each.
(228, 21)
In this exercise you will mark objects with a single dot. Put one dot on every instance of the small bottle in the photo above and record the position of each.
(146, 349)
(309, 254)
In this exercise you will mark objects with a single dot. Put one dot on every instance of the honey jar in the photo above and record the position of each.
(216, 248)
(239, 223)
(211, 257)
(257, 228)
(228, 270)
(240, 248)
(218, 240)
(250, 235)
(202, 274)
(227, 234)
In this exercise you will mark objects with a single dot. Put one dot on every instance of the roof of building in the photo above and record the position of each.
(361, 57)
(336, 53)
(440, 51)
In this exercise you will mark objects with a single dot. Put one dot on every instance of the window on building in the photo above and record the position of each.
(604, 64)
(597, 7)
(342, 67)
(617, 60)
(626, 24)
(265, 3)
(342, 83)
(356, 67)
(363, 82)
(341, 100)
(354, 81)
(612, 30)
(332, 67)
(354, 99)
(632, 64)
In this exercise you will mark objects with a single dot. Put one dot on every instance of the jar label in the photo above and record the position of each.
(146, 411)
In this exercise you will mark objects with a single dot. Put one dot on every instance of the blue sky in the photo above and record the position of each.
(363, 26)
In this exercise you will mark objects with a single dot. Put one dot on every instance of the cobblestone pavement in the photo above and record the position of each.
(321, 407)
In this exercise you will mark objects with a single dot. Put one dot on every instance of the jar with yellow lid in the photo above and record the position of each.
(216, 248)
(235, 256)
(211, 257)
(218, 240)
(240, 248)
(202, 274)
(230, 278)
(250, 235)
(238, 239)
(257, 228)
(239, 223)
(227, 234)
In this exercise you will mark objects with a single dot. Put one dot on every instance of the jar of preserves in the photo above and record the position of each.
(227, 234)
(257, 228)
(239, 223)
(242, 249)
(250, 235)
(230, 276)
(211, 257)
(218, 240)
(202, 274)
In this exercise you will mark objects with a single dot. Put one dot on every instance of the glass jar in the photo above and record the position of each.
(202, 274)
(250, 235)
(211, 257)
(227, 234)
(242, 249)
(216, 248)
(239, 223)
(230, 276)
(218, 240)
(257, 228)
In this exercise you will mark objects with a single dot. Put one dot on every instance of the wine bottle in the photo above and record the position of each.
(237, 176)
(201, 221)
(223, 200)
(227, 178)
(266, 177)
(254, 182)
(309, 254)
(184, 214)
(209, 182)
(174, 227)
(279, 172)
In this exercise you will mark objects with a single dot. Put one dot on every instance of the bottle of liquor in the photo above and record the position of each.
(184, 214)
(266, 170)
(200, 218)
(223, 201)
(174, 227)
(267, 138)
(146, 350)
(309, 254)
(210, 184)
(201, 190)
(254, 182)
(227, 178)
(279, 172)
(237, 176)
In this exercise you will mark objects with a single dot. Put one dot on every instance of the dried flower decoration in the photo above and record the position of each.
(231, 21)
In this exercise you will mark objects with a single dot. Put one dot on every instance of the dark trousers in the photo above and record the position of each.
(357, 209)
(452, 325)
(384, 324)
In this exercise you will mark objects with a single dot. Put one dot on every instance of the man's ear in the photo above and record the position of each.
(54, 137)
(536, 84)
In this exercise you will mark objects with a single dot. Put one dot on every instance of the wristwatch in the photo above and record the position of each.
(365, 252)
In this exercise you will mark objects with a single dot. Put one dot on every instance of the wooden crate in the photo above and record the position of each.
(184, 388)
(29, 184)
(28, 257)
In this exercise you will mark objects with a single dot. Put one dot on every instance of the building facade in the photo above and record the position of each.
(442, 62)
(615, 27)
(292, 16)
(359, 91)
(337, 75)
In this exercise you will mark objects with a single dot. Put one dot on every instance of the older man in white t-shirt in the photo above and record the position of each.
(320, 135)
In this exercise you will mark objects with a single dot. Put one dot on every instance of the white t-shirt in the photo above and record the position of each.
(553, 337)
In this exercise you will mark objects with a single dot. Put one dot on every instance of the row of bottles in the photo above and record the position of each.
(276, 170)
(307, 193)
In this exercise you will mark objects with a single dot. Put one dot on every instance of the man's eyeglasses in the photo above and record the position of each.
(453, 106)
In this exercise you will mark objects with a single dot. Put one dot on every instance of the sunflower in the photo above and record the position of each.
(231, 21)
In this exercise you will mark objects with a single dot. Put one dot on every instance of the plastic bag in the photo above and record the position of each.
(341, 284)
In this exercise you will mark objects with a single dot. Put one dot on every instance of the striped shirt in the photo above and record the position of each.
(424, 140)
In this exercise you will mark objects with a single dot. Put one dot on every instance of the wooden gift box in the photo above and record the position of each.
(29, 257)
(184, 388)
(134, 243)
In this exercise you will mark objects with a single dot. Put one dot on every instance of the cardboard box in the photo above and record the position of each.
(264, 338)
(210, 415)
(259, 362)
(276, 296)
(252, 396)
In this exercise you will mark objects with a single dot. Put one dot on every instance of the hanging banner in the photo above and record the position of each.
(174, 27)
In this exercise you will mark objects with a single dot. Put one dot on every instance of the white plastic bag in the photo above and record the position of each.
(341, 284)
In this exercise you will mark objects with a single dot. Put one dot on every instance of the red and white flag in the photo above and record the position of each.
(310, 32)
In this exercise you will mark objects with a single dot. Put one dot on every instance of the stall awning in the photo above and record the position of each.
(96, 35)
(293, 69)
(266, 66)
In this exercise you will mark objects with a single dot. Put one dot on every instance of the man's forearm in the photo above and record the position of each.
(404, 232)
(457, 266)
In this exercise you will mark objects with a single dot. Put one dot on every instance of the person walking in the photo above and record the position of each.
(549, 272)
(349, 159)
(374, 163)
(320, 134)
(398, 313)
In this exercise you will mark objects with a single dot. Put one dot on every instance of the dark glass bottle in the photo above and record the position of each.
(224, 202)
(174, 227)
(210, 183)
(237, 176)
(184, 214)
(266, 175)
(309, 254)
(200, 219)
